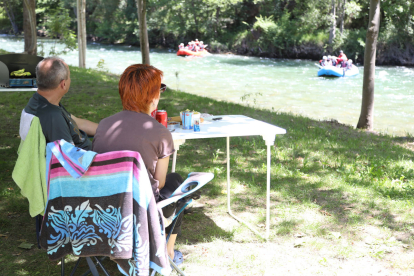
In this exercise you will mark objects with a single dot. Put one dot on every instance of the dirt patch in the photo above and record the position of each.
(276, 259)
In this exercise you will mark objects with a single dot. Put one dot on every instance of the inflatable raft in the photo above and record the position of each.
(186, 52)
(332, 71)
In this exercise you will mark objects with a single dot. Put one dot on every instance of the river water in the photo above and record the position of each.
(276, 84)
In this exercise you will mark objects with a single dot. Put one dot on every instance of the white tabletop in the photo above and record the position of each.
(17, 89)
(230, 126)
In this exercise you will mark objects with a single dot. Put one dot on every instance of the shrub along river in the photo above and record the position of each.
(279, 84)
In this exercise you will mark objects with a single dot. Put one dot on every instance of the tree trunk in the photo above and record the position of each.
(29, 27)
(163, 37)
(10, 14)
(182, 21)
(366, 119)
(81, 4)
(217, 25)
(195, 17)
(341, 26)
(333, 24)
(143, 33)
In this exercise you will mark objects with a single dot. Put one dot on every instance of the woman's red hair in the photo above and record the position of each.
(138, 86)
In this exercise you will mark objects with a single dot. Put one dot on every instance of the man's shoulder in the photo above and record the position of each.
(40, 107)
(49, 115)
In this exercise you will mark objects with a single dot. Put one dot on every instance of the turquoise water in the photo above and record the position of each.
(278, 84)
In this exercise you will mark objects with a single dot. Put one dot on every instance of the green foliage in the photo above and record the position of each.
(398, 21)
(318, 38)
(271, 27)
(279, 36)
(4, 20)
(12, 8)
(57, 25)
(353, 41)
(101, 65)
(266, 24)
(115, 21)
(269, 33)
(217, 46)
(353, 9)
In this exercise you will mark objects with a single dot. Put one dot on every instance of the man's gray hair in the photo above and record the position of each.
(49, 77)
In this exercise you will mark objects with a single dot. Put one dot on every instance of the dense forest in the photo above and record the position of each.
(272, 28)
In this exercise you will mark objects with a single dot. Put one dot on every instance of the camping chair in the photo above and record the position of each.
(182, 195)
(102, 205)
(29, 175)
(122, 220)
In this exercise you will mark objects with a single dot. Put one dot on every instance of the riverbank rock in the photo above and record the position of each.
(395, 55)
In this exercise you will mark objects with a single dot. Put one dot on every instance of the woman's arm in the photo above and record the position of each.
(161, 171)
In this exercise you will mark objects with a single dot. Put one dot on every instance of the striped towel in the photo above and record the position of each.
(102, 205)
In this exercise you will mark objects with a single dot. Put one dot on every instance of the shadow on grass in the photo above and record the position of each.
(287, 227)
(199, 228)
(346, 210)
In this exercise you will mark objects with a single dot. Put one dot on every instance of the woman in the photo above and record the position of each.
(134, 129)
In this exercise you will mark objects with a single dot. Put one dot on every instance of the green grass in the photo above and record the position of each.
(325, 178)
(2, 52)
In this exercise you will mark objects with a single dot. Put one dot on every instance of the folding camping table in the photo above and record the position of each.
(233, 126)
(17, 89)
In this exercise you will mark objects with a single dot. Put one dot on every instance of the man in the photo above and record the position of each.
(53, 82)
(342, 57)
(349, 64)
(323, 61)
(329, 61)
(201, 45)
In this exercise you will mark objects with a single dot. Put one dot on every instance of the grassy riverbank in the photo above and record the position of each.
(341, 199)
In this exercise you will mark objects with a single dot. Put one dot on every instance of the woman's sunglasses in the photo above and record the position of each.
(163, 87)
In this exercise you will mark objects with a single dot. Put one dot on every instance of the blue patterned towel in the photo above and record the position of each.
(103, 205)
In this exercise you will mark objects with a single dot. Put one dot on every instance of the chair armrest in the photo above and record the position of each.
(194, 178)
(168, 201)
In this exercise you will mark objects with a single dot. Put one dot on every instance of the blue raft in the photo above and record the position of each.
(332, 71)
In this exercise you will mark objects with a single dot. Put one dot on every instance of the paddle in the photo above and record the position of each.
(320, 67)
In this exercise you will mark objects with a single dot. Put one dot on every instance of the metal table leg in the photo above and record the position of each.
(177, 144)
(174, 160)
(228, 195)
(269, 140)
(268, 195)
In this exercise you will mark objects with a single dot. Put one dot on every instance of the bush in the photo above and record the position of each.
(352, 43)
(217, 47)
(319, 38)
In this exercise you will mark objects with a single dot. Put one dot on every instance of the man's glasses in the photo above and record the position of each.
(163, 87)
